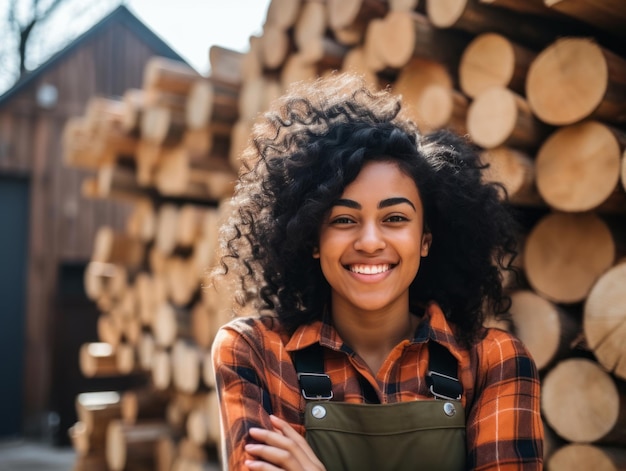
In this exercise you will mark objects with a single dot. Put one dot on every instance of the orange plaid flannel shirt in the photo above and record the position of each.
(256, 377)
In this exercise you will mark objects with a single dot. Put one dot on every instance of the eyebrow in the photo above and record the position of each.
(382, 204)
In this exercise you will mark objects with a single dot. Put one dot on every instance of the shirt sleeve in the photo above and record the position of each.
(243, 396)
(504, 427)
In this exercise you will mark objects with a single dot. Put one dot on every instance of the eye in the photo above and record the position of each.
(342, 220)
(396, 218)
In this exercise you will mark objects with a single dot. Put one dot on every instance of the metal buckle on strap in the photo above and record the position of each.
(315, 386)
(445, 382)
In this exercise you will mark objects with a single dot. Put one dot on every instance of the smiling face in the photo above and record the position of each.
(372, 240)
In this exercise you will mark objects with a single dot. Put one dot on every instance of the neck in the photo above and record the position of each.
(372, 335)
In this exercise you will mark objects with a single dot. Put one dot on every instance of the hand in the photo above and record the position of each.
(281, 449)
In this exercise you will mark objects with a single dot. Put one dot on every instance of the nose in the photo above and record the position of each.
(369, 239)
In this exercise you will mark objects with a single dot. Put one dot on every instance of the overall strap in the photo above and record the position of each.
(314, 383)
(443, 378)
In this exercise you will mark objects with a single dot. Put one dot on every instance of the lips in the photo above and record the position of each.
(365, 269)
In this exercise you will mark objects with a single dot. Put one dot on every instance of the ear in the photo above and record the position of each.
(427, 240)
(316, 252)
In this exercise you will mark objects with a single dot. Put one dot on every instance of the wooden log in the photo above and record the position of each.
(239, 141)
(161, 369)
(145, 351)
(101, 277)
(582, 457)
(187, 367)
(440, 107)
(168, 75)
(565, 254)
(170, 322)
(117, 248)
(251, 66)
(581, 402)
(95, 410)
(97, 359)
(117, 181)
(141, 223)
(177, 175)
(146, 295)
(545, 328)
(355, 61)
(276, 45)
(608, 15)
(573, 79)
(283, 14)
(226, 65)
(209, 101)
(297, 68)
(477, 18)
(492, 59)
(212, 412)
(198, 427)
(142, 404)
(500, 117)
(134, 102)
(401, 35)
(147, 157)
(354, 13)
(604, 320)
(125, 358)
(311, 24)
(167, 220)
(515, 171)
(109, 330)
(165, 454)
(578, 167)
(162, 125)
(133, 446)
(256, 95)
(203, 325)
(189, 225)
(208, 373)
(183, 281)
(324, 53)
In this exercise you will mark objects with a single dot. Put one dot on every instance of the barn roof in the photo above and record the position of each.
(120, 15)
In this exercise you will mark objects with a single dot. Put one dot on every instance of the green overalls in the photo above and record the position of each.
(416, 435)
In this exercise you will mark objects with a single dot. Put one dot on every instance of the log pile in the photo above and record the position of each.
(539, 86)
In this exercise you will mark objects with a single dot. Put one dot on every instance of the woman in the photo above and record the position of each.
(372, 255)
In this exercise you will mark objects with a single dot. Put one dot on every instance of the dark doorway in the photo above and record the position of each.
(13, 262)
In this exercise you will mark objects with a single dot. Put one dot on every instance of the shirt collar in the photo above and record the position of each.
(433, 326)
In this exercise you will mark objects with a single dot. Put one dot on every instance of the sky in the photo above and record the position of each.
(190, 27)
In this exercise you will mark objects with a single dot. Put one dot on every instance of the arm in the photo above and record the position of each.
(252, 438)
(242, 396)
(504, 427)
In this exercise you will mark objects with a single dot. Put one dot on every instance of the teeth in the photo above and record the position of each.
(369, 269)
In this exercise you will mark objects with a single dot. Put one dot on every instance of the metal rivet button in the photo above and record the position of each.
(449, 409)
(319, 412)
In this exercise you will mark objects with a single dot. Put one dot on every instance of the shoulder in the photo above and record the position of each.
(501, 350)
(253, 332)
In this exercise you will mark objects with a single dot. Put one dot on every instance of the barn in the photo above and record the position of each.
(48, 228)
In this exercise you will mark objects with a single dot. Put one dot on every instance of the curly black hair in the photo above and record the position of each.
(304, 154)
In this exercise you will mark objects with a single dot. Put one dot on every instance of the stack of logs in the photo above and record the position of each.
(539, 86)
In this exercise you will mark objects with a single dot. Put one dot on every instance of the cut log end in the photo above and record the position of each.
(578, 166)
(565, 254)
(580, 400)
(567, 81)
